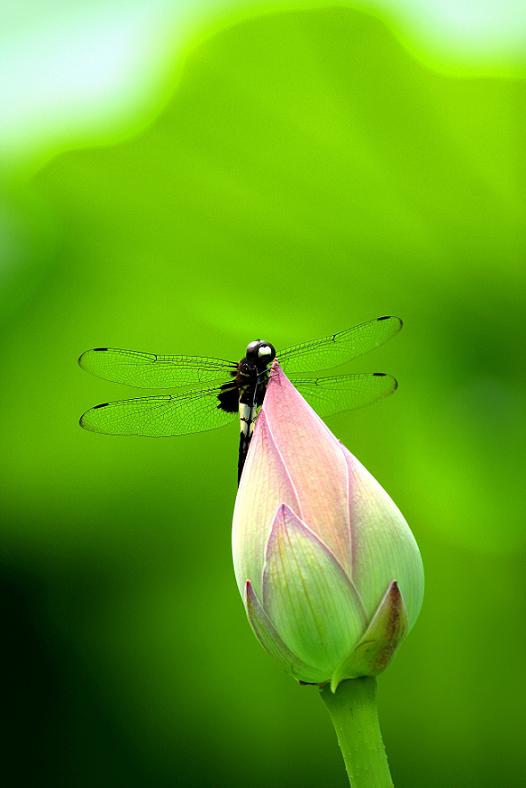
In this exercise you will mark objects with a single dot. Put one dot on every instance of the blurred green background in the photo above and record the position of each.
(284, 176)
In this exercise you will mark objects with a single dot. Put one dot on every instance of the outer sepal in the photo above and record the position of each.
(377, 645)
(265, 632)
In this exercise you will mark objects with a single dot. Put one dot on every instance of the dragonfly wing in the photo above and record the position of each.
(339, 348)
(158, 416)
(344, 392)
(149, 370)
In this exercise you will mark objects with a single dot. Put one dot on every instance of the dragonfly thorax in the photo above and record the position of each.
(260, 353)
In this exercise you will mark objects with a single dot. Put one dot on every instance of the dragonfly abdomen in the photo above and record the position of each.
(252, 382)
(247, 419)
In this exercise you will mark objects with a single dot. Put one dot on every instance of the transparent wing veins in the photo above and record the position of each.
(158, 416)
(339, 348)
(332, 395)
(150, 370)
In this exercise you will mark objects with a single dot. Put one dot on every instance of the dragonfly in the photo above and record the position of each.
(211, 392)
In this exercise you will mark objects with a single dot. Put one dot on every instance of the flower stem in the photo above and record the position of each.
(353, 712)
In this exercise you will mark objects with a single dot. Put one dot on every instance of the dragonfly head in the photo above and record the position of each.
(260, 352)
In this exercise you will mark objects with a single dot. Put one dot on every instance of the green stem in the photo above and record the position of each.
(353, 712)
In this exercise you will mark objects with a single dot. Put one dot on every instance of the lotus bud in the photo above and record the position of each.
(329, 571)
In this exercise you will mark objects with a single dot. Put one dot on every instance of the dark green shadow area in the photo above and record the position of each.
(308, 174)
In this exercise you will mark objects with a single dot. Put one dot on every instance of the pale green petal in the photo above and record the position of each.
(307, 595)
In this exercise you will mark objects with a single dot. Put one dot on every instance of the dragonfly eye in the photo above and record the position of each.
(252, 348)
(266, 352)
(259, 350)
